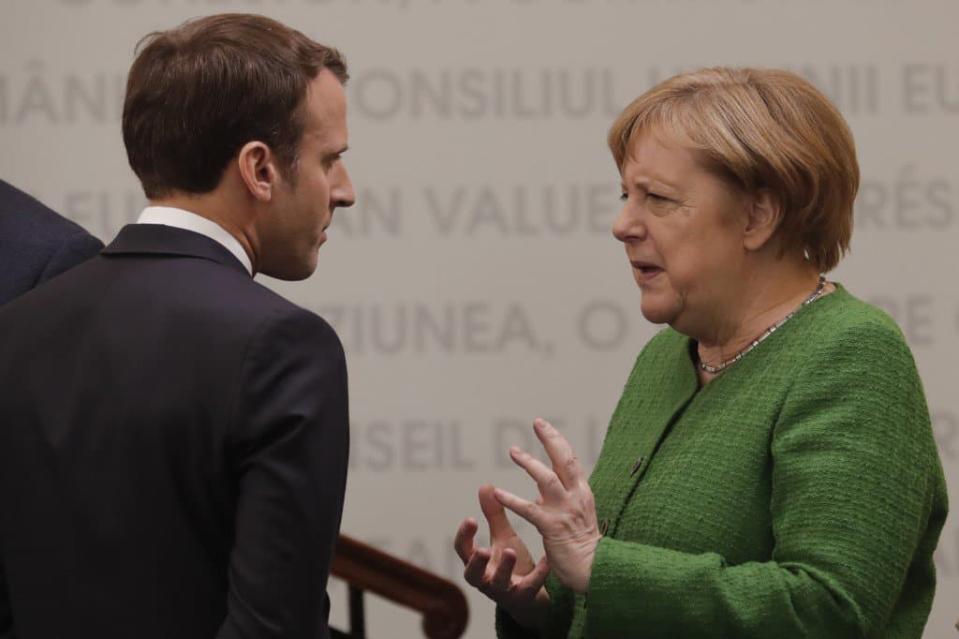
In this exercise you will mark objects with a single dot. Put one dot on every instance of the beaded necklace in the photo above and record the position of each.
(769, 331)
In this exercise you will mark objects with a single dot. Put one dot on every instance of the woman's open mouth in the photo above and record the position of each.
(645, 270)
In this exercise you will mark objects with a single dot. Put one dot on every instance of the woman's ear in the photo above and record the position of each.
(257, 170)
(763, 216)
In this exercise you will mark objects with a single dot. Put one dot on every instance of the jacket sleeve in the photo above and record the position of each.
(508, 628)
(6, 619)
(74, 250)
(290, 442)
(856, 484)
(561, 601)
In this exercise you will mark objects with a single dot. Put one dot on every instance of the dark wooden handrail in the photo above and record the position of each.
(365, 568)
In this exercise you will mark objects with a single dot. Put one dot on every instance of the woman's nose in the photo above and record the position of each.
(628, 224)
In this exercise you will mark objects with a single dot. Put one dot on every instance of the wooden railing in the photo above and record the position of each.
(366, 569)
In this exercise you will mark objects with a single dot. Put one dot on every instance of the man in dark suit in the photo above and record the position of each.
(36, 243)
(174, 436)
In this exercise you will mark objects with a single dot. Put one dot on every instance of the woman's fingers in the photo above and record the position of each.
(494, 570)
(502, 534)
(464, 539)
(476, 567)
(525, 509)
(549, 484)
(536, 578)
(504, 571)
(565, 463)
(499, 526)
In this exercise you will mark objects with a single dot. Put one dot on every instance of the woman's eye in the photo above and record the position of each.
(657, 197)
(623, 196)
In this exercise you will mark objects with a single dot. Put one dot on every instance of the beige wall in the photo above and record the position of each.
(476, 285)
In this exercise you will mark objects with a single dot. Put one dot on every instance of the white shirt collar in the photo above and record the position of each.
(181, 219)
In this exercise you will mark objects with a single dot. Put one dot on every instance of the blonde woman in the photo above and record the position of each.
(770, 470)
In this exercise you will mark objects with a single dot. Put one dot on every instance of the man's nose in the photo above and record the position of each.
(342, 194)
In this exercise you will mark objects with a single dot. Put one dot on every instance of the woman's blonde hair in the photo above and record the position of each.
(761, 129)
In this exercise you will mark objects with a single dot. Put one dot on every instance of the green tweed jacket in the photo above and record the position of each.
(798, 494)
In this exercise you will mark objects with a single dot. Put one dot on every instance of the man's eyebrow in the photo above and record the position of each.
(331, 156)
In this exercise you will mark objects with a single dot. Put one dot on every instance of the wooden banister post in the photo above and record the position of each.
(367, 569)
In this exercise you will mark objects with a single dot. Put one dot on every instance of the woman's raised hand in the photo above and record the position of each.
(565, 513)
(504, 572)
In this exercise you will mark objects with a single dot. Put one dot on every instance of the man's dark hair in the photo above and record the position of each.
(197, 93)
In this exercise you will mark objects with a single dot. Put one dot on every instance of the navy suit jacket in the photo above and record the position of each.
(173, 450)
(36, 243)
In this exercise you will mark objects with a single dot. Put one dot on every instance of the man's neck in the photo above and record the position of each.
(212, 208)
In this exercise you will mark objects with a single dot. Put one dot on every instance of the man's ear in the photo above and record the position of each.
(763, 216)
(256, 165)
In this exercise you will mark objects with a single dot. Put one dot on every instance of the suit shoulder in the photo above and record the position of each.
(82, 244)
(855, 324)
(280, 319)
(306, 324)
(26, 220)
(285, 311)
